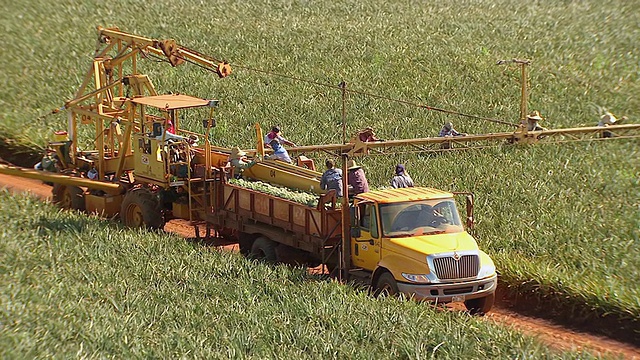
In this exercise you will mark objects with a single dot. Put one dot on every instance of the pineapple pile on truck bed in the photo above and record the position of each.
(298, 196)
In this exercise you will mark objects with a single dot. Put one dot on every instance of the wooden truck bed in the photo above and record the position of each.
(284, 221)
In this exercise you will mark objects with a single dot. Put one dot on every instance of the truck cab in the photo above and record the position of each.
(412, 241)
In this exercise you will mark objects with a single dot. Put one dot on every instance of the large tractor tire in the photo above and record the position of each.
(264, 249)
(68, 197)
(141, 208)
(480, 306)
(386, 286)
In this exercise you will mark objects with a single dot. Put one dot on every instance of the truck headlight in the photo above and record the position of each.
(417, 278)
(486, 270)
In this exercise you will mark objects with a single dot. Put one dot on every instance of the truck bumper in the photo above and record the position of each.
(445, 293)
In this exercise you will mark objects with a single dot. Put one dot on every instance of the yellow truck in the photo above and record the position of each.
(410, 241)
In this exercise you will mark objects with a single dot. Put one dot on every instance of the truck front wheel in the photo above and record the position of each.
(386, 286)
(480, 306)
(263, 249)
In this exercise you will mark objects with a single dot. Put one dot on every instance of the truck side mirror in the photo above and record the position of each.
(470, 219)
(356, 232)
(355, 216)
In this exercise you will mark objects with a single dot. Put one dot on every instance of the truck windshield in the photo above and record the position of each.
(420, 218)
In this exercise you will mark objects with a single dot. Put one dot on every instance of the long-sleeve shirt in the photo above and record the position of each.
(451, 132)
(272, 135)
(401, 181)
(332, 179)
(358, 181)
(281, 154)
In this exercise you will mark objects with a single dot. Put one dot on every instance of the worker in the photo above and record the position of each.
(332, 178)
(49, 163)
(170, 127)
(606, 120)
(367, 135)
(279, 152)
(357, 180)
(191, 139)
(448, 131)
(92, 174)
(532, 122)
(276, 134)
(238, 161)
(402, 178)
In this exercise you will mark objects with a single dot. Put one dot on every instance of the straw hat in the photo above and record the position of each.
(236, 153)
(351, 165)
(535, 116)
(608, 118)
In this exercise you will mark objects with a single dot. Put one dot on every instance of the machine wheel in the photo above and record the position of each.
(68, 197)
(141, 208)
(386, 286)
(264, 249)
(480, 306)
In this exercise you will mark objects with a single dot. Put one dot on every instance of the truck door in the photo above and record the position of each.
(366, 247)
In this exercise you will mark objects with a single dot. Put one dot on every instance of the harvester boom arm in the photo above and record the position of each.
(359, 148)
(110, 188)
(176, 54)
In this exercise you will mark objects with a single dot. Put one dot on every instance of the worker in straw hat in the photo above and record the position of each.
(608, 119)
(532, 122)
(238, 160)
(357, 180)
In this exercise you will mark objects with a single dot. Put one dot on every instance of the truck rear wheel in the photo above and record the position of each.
(245, 241)
(480, 306)
(68, 197)
(141, 208)
(263, 249)
(386, 286)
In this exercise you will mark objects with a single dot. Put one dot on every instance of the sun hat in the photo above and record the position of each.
(236, 153)
(534, 116)
(351, 165)
(608, 118)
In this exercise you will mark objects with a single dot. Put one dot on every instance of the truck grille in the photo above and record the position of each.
(448, 268)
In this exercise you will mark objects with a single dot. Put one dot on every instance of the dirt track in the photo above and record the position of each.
(555, 335)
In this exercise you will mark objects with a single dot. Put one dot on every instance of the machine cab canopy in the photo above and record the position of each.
(161, 112)
(174, 101)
